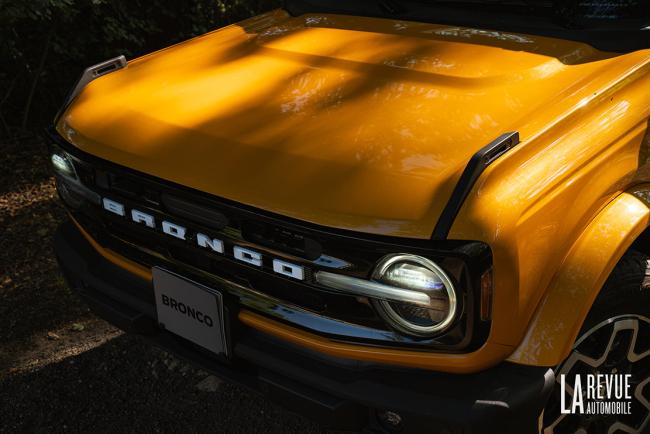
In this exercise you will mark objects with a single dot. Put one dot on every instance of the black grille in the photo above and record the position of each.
(191, 211)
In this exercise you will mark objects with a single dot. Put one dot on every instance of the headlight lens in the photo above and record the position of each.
(416, 273)
(71, 189)
(62, 163)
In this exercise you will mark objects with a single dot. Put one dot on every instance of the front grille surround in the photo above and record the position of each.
(344, 252)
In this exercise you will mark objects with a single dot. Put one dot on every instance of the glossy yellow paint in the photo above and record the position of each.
(355, 123)
(575, 285)
(366, 124)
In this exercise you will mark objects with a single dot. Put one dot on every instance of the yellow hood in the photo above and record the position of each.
(355, 123)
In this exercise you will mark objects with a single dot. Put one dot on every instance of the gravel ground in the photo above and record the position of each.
(62, 369)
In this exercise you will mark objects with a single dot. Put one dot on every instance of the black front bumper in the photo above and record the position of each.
(341, 394)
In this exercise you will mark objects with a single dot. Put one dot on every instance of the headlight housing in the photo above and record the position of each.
(68, 182)
(62, 163)
(416, 273)
(411, 293)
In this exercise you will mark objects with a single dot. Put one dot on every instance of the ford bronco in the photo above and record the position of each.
(392, 216)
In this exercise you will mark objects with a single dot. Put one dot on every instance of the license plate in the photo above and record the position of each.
(190, 310)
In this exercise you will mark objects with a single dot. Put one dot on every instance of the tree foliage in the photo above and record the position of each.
(45, 44)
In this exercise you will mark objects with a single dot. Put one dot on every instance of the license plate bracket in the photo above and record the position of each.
(190, 310)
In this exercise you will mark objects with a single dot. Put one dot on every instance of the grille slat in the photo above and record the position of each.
(191, 211)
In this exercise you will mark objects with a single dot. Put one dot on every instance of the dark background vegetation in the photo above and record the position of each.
(61, 368)
(45, 44)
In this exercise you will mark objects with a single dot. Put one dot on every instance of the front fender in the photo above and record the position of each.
(571, 293)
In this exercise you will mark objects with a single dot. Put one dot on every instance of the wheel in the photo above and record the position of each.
(615, 339)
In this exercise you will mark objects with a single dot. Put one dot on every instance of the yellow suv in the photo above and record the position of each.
(393, 216)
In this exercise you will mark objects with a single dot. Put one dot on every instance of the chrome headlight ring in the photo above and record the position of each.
(388, 309)
(411, 283)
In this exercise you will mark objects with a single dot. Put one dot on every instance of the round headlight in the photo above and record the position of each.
(416, 273)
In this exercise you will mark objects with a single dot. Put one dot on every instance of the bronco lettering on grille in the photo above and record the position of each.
(203, 241)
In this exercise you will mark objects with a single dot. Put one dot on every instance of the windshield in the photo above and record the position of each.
(613, 25)
(595, 10)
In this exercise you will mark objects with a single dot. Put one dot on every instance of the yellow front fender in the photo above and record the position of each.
(562, 311)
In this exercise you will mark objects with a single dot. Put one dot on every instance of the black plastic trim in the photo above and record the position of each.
(89, 74)
(477, 164)
(204, 215)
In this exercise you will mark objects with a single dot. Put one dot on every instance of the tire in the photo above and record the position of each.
(615, 339)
